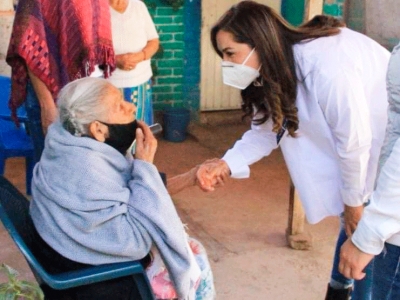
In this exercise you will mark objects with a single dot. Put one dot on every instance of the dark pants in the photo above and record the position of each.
(386, 283)
(362, 289)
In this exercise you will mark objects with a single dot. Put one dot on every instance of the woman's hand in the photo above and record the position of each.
(212, 173)
(128, 61)
(353, 261)
(352, 216)
(146, 143)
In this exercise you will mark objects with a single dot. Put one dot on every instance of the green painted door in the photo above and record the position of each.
(293, 11)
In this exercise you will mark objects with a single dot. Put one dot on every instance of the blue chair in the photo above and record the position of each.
(14, 214)
(14, 142)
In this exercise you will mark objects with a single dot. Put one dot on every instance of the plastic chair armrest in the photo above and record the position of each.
(92, 274)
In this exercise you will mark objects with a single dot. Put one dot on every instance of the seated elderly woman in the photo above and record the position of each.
(95, 205)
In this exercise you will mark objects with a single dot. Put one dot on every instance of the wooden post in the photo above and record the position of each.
(296, 213)
(295, 234)
(312, 8)
(6, 5)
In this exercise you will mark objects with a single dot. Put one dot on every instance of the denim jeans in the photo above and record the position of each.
(386, 283)
(362, 289)
(34, 124)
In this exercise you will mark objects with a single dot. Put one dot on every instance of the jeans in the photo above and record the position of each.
(386, 283)
(34, 124)
(362, 289)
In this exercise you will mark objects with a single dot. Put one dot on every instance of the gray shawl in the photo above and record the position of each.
(94, 206)
(393, 88)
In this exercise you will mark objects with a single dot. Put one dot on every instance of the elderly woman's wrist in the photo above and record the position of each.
(193, 175)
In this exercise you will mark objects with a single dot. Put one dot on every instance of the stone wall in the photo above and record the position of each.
(383, 21)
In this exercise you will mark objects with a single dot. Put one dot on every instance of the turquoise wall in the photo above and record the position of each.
(168, 63)
(293, 10)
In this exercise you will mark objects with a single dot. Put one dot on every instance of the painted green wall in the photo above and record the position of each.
(168, 61)
(293, 10)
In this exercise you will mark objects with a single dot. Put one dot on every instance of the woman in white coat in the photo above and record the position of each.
(318, 92)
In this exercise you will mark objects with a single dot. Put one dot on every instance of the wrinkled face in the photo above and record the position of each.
(118, 111)
(236, 52)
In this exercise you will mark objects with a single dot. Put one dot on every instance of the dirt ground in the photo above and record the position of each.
(242, 225)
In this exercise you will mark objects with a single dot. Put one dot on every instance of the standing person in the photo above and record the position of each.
(53, 43)
(317, 92)
(135, 41)
(378, 232)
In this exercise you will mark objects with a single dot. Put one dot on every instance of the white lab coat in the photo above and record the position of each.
(342, 103)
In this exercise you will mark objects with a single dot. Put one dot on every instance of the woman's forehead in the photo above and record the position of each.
(113, 96)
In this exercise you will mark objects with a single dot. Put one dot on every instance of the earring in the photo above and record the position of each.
(258, 83)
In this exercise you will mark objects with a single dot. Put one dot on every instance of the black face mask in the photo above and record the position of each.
(121, 136)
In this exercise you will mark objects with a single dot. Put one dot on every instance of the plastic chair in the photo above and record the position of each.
(14, 142)
(14, 214)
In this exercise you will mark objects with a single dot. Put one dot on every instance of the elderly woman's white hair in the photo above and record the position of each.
(80, 103)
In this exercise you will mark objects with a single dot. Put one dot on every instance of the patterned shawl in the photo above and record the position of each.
(59, 41)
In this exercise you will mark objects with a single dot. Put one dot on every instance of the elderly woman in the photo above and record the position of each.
(95, 205)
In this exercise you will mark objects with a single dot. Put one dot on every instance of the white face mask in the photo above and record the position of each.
(238, 75)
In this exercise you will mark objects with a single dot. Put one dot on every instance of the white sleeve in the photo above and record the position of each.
(381, 218)
(254, 145)
(342, 99)
(150, 28)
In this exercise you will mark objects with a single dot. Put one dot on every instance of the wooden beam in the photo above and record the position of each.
(295, 235)
(296, 212)
(312, 8)
(6, 5)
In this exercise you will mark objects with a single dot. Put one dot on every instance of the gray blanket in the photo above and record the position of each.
(95, 206)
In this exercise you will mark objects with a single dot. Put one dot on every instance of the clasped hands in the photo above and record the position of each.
(211, 174)
(128, 61)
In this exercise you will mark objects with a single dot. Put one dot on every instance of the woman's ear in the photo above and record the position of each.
(98, 131)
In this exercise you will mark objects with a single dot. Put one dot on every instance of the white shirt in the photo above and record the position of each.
(131, 30)
(381, 219)
(341, 101)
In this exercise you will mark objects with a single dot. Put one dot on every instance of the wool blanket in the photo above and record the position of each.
(59, 41)
(94, 206)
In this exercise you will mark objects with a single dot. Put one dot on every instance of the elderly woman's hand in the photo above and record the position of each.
(146, 143)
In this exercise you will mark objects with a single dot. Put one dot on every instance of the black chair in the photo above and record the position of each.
(79, 281)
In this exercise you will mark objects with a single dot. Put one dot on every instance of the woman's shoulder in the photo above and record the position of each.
(349, 50)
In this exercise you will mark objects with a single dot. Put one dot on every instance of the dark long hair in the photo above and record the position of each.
(262, 28)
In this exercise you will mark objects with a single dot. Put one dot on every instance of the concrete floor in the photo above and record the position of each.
(242, 224)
